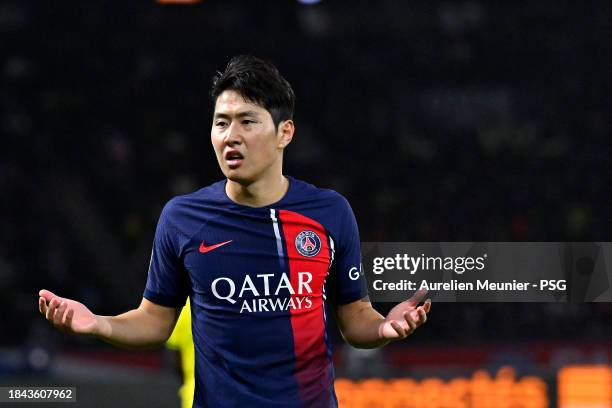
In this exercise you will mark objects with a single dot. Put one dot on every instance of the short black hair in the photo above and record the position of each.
(258, 82)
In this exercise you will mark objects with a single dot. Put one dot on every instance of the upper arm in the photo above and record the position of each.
(165, 317)
(352, 314)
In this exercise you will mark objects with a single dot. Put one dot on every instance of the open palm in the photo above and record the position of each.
(405, 317)
(67, 314)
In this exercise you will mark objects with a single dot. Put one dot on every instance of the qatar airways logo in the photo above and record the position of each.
(225, 288)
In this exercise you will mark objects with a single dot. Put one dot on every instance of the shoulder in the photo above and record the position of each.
(183, 215)
(208, 195)
(324, 196)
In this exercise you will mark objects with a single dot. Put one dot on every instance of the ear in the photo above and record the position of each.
(285, 132)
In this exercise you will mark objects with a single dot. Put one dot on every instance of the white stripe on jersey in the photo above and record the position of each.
(279, 242)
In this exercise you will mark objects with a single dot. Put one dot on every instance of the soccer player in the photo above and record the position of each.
(264, 258)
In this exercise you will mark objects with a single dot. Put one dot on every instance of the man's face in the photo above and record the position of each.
(246, 143)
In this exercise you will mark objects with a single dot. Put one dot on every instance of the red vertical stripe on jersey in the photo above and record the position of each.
(308, 324)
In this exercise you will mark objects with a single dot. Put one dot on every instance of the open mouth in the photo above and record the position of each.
(233, 158)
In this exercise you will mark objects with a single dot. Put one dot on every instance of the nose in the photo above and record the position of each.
(233, 136)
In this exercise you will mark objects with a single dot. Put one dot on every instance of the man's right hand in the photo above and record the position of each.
(148, 325)
(69, 315)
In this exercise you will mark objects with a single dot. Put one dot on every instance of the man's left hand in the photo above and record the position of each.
(405, 317)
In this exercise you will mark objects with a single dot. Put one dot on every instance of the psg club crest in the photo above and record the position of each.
(308, 243)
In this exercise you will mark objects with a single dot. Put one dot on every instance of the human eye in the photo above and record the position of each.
(220, 123)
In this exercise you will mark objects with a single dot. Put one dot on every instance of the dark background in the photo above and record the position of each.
(439, 121)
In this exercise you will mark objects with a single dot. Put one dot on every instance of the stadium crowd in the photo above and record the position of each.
(439, 121)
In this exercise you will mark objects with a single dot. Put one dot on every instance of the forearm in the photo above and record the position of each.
(362, 329)
(134, 329)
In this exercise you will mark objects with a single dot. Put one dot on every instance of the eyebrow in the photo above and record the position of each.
(238, 115)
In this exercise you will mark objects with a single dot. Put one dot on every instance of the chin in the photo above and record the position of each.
(234, 176)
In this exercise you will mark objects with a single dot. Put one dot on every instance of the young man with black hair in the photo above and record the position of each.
(264, 258)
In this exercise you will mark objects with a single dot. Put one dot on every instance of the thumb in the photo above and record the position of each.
(417, 297)
(47, 295)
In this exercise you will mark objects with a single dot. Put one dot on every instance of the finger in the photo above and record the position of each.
(427, 305)
(410, 321)
(417, 297)
(68, 318)
(59, 314)
(51, 309)
(419, 316)
(47, 295)
(42, 305)
(399, 329)
(415, 315)
(422, 315)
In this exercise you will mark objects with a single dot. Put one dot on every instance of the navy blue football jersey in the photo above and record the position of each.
(260, 280)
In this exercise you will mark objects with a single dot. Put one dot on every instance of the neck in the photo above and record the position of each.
(259, 193)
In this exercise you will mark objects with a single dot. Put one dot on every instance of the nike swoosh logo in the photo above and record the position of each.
(204, 249)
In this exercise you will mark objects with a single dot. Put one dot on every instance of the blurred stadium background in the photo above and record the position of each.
(439, 120)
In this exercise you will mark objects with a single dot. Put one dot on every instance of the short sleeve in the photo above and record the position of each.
(167, 278)
(347, 282)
